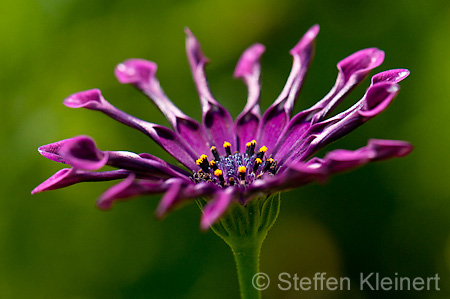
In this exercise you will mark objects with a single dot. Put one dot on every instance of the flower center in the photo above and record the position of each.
(235, 169)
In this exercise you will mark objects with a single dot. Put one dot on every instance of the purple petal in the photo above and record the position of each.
(52, 151)
(216, 119)
(248, 65)
(356, 66)
(90, 99)
(340, 160)
(277, 115)
(216, 207)
(141, 73)
(393, 76)
(292, 135)
(154, 158)
(386, 149)
(128, 188)
(170, 197)
(299, 173)
(295, 175)
(134, 162)
(376, 150)
(247, 128)
(70, 176)
(180, 191)
(248, 69)
(167, 139)
(352, 71)
(299, 125)
(81, 152)
(375, 100)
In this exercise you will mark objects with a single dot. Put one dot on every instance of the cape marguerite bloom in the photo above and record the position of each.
(230, 161)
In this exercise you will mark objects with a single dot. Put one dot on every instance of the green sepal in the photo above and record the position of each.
(252, 221)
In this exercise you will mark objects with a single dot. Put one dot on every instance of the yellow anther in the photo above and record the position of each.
(215, 153)
(203, 157)
(258, 162)
(217, 172)
(212, 163)
(227, 147)
(199, 161)
(242, 169)
(248, 144)
(269, 164)
(263, 149)
(253, 142)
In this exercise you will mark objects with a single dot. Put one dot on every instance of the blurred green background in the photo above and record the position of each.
(390, 217)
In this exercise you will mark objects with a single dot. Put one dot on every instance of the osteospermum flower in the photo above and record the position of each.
(233, 165)
(230, 161)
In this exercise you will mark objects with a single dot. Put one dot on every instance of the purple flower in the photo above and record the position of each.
(230, 161)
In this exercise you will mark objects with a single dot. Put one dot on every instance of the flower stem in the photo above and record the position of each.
(244, 229)
(247, 264)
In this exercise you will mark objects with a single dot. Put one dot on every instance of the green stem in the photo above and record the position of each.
(247, 264)
(244, 229)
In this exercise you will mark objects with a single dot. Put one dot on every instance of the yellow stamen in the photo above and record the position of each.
(269, 163)
(242, 170)
(253, 142)
(213, 165)
(217, 172)
(227, 147)
(263, 149)
(258, 162)
(215, 153)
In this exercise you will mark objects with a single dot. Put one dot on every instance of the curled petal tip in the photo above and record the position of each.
(360, 63)
(51, 151)
(375, 56)
(306, 41)
(378, 97)
(205, 225)
(390, 148)
(87, 99)
(81, 152)
(393, 76)
(194, 50)
(248, 60)
(135, 71)
(188, 31)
